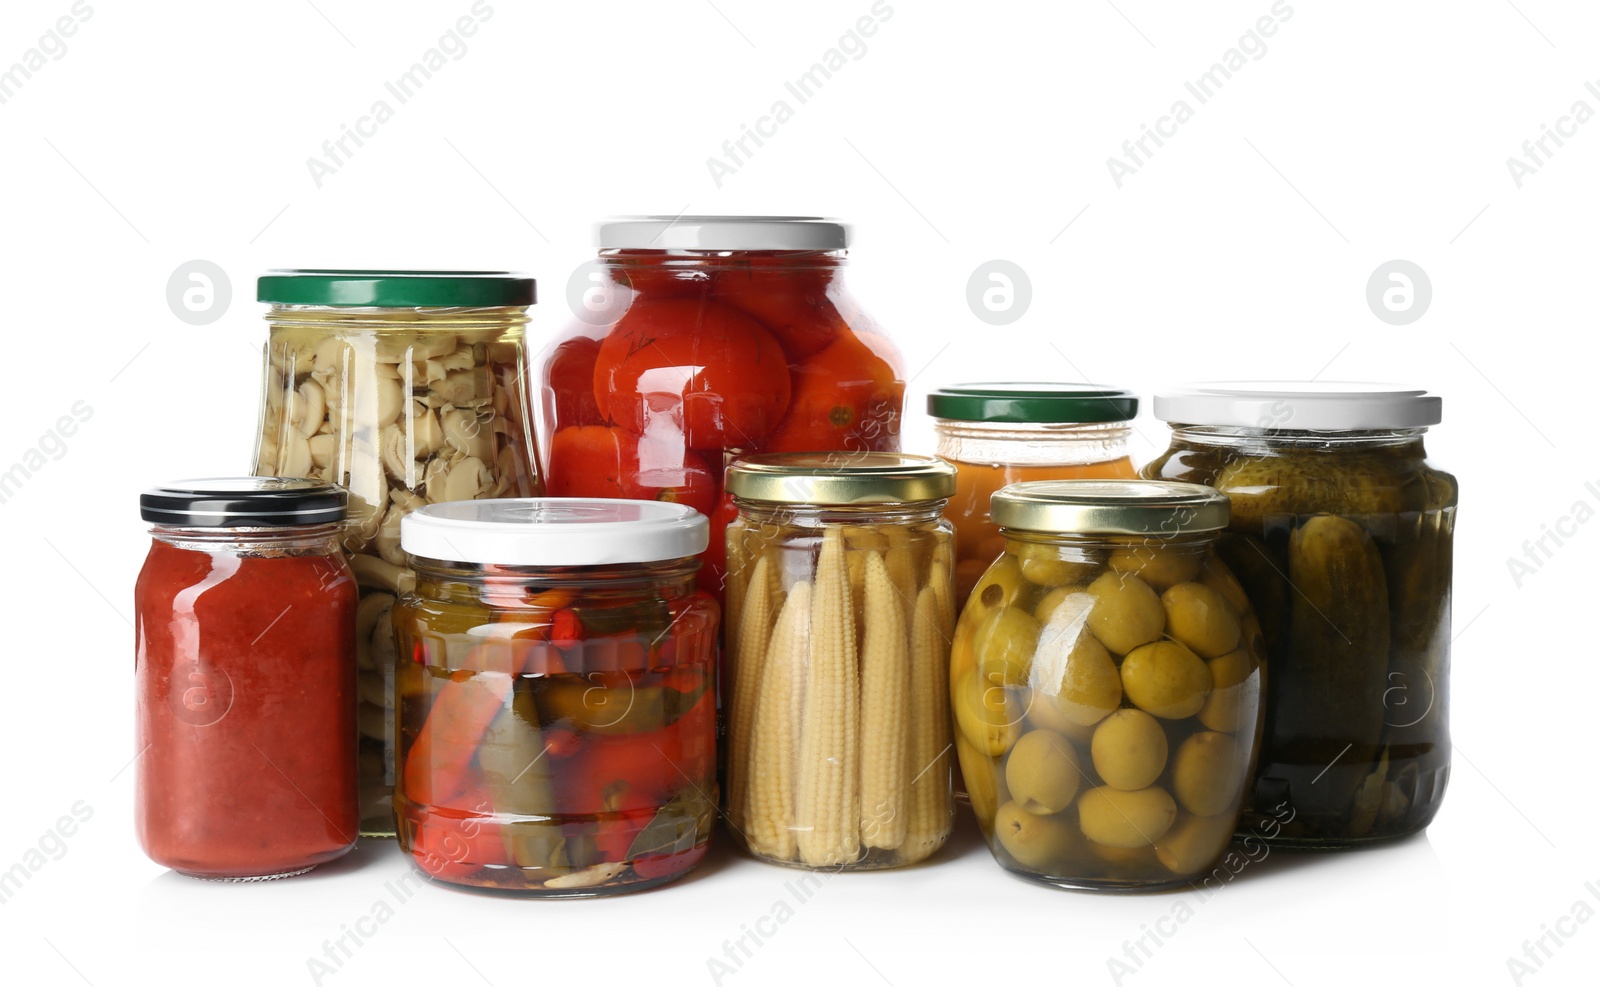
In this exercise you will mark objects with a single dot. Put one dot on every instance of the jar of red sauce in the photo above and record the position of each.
(557, 709)
(245, 679)
(702, 338)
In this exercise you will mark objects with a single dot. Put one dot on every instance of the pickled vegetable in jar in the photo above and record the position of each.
(702, 338)
(839, 616)
(407, 388)
(999, 434)
(1105, 678)
(245, 679)
(1342, 534)
(557, 703)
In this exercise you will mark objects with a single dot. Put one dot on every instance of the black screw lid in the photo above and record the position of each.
(244, 502)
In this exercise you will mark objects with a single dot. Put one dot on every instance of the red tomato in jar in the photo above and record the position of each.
(714, 560)
(793, 305)
(653, 275)
(708, 369)
(847, 397)
(570, 373)
(608, 461)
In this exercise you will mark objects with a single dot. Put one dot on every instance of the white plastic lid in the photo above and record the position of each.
(1300, 405)
(724, 233)
(554, 531)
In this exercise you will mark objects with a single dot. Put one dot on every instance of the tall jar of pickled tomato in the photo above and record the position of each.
(1106, 679)
(557, 710)
(1342, 532)
(407, 388)
(702, 338)
(245, 679)
(998, 434)
(839, 614)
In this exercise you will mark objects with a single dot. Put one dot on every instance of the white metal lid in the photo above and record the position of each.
(724, 233)
(1300, 405)
(554, 531)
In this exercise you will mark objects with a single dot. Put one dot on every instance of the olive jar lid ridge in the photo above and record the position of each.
(1122, 507)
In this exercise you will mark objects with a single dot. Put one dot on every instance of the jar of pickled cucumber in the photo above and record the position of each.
(839, 614)
(406, 388)
(1106, 678)
(557, 695)
(1342, 534)
(998, 434)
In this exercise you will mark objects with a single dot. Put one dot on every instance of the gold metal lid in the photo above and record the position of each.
(839, 478)
(1112, 507)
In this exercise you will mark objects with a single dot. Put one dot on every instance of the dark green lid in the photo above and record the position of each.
(396, 289)
(1040, 403)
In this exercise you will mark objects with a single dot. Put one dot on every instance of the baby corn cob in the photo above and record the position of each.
(944, 590)
(826, 812)
(747, 646)
(885, 684)
(929, 824)
(902, 561)
(769, 826)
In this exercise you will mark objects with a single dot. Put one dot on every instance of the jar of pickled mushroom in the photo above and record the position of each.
(1342, 534)
(407, 388)
(703, 338)
(557, 703)
(1106, 678)
(998, 434)
(839, 614)
(245, 679)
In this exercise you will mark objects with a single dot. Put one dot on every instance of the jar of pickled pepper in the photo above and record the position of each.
(839, 614)
(407, 388)
(999, 434)
(557, 702)
(1342, 533)
(245, 679)
(1106, 678)
(703, 338)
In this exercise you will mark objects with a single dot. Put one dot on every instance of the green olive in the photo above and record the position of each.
(1233, 697)
(1052, 601)
(1127, 612)
(985, 789)
(1049, 565)
(1129, 749)
(1004, 644)
(1073, 674)
(1217, 576)
(1195, 842)
(1201, 619)
(1166, 679)
(987, 717)
(1115, 818)
(1042, 772)
(999, 586)
(1206, 773)
(1042, 843)
(1160, 566)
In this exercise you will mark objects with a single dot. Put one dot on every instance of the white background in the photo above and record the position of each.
(1366, 132)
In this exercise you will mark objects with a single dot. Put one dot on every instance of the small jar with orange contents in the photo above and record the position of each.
(999, 434)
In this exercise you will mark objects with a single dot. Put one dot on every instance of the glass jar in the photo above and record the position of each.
(1342, 533)
(557, 699)
(999, 434)
(839, 614)
(407, 388)
(245, 679)
(702, 338)
(1105, 678)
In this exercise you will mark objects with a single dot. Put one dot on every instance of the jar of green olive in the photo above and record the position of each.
(1106, 677)
(840, 606)
(1342, 533)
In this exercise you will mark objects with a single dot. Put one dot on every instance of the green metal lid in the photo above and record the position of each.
(1030, 402)
(396, 289)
